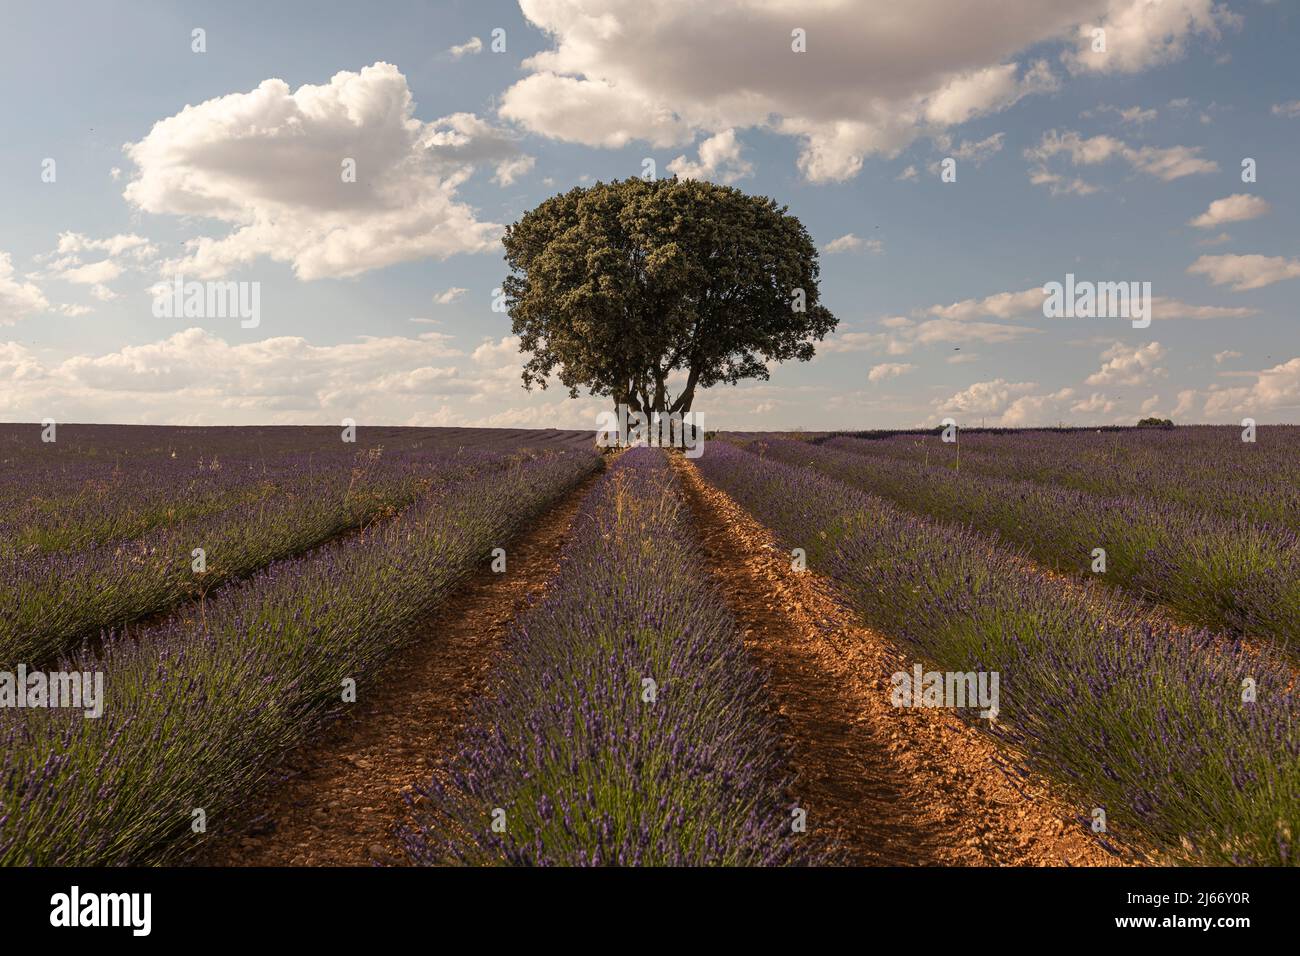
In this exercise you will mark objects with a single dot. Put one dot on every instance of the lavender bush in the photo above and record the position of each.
(50, 602)
(1149, 725)
(583, 768)
(1216, 572)
(1203, 468)
(200, 707)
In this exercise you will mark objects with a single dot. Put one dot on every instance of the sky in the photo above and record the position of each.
(948, 159)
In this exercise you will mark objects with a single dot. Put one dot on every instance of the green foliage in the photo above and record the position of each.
(1156, 423)
(616, 286)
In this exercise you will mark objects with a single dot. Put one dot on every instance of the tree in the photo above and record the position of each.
(616, 286)
(1156, 423)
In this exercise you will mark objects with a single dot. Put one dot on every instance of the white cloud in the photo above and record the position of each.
(472, 45)
(879, 373)
(511, 169)
(197, 377)
(993, 88)
(122, 252)
(719, 160)
(450, 295)
(1235, 208)
(875, 75)
(591, 112)
(92, 273)
(1167, 163)
(1140, 34)
(1274, 389)
(845, 243)
(1124, 365)
(841, 342)
(1134, 115)
(1002, 305)
(948, 331)
(1164, 308)
(1221, 357)
(1095, 404)
(138, 247)
(986, 398)
(909, 173)
(1245, 272)
(17, 298)
(974, 152)
(1290, 110)
(270, 164)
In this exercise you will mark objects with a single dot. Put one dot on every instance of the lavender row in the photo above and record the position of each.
(1182, 742)
(99, 485)
(50, 603)
(1225, 574)
(625, 725)
(198, 711)
(1202, 468)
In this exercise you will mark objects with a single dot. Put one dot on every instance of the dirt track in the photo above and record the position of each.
(897, 786)
(344, 798)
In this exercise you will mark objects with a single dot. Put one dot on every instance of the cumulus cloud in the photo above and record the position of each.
(1290, 110)
(1163, 308)
(1274, 389)
(1134, 115)
(449, 296)
(887, 370)
(1235, 208)
(1164, 163)
(472, 45)
(1140, 34)
(719, 160)
(948, 331)
(1245, 272)
(511, 169)
(1002, 305)
(1225, 355)
(974, 152)
(17, 298)
(121, 253)
(875, 76)
(271, 164)
(986, 398)
(1012, 404)
(1125, 365)
(197, 377)
(845, 243)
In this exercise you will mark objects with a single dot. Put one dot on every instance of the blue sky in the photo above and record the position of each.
(1114, 165)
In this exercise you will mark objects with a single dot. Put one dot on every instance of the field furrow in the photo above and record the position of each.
(200, 710)
(1181, 742)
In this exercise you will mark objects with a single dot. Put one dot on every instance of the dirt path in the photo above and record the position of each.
(345, 796)
(900, 786)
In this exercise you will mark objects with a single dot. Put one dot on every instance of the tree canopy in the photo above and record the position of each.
(616, 286)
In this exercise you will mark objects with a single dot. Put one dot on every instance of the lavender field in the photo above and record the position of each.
(599, 632)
